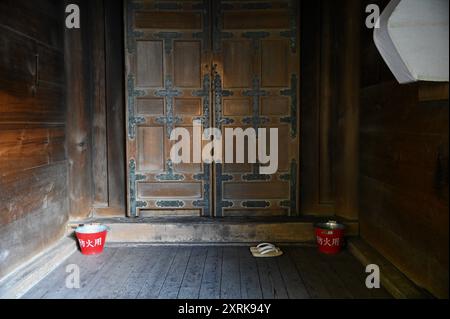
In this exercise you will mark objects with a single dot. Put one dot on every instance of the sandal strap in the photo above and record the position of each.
(267, 250)
(275, 250)
(264, 245)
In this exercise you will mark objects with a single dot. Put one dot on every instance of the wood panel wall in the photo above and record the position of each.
(347, 73)
(404, 171)
(115, 105)
(96, 142)
(318, 125)
(329, 107)
(33, 162)
(107, 108)
(80, 88)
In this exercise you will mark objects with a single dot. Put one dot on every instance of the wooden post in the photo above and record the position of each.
(326, 142)
(348, 109)
(78, 119)
(98, 101)
(317, 108)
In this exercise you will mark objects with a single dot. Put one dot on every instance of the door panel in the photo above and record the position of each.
(229, 64)
(256, 59)
(167, 56)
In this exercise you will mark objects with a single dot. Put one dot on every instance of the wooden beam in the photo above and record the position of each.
(433, 91)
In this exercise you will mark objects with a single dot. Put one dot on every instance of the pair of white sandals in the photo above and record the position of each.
(266, 250)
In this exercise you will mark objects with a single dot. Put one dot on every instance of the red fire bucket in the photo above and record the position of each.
(91, 238)
(330, 237)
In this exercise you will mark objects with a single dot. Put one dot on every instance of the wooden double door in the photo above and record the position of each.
(228, 64)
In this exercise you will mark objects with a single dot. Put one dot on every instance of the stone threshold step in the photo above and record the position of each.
(207, 230)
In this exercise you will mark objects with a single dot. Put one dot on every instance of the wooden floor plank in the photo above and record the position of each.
(230, 280)
(124, 288)
(55, 280)
(208, 272)
(86, 264)
(272, 284)
(333, 284)
(156, 275)
(190, 287)
(172, 284)
(112, 278)
(138, 276)
(250, 285)
(292, 280)
(211, 281)
(89, 267)
(315, 282)
(353, 276)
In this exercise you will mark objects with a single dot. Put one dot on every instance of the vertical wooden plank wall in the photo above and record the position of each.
(317, 117)
(94, 61)
(79, 131)
(33, 163)
(98, 100)
(107, 107)
(329, 108)
(404, 149)
(327, 112)
(349, 14)
(115, 105)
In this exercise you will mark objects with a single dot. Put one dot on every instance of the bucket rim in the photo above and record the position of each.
(330, 225)
(91, 229)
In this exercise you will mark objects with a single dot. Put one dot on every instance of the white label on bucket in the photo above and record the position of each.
(73, 279)
(373, 280)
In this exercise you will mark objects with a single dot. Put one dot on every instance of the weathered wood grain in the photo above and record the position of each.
(315, 282)
(177, 272)
(59, 289)
(157, 274)
(33, 168)
(190, 286)
(272, 284)
(293, 280)
(348, 100)
(230, 287)
(79, 128)
(212, 273)
(115, 105)
(192, 272)
(318, 118)
(38, 21)
(98, 105)
(24, 147)
(250, 280)
(137, 278)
